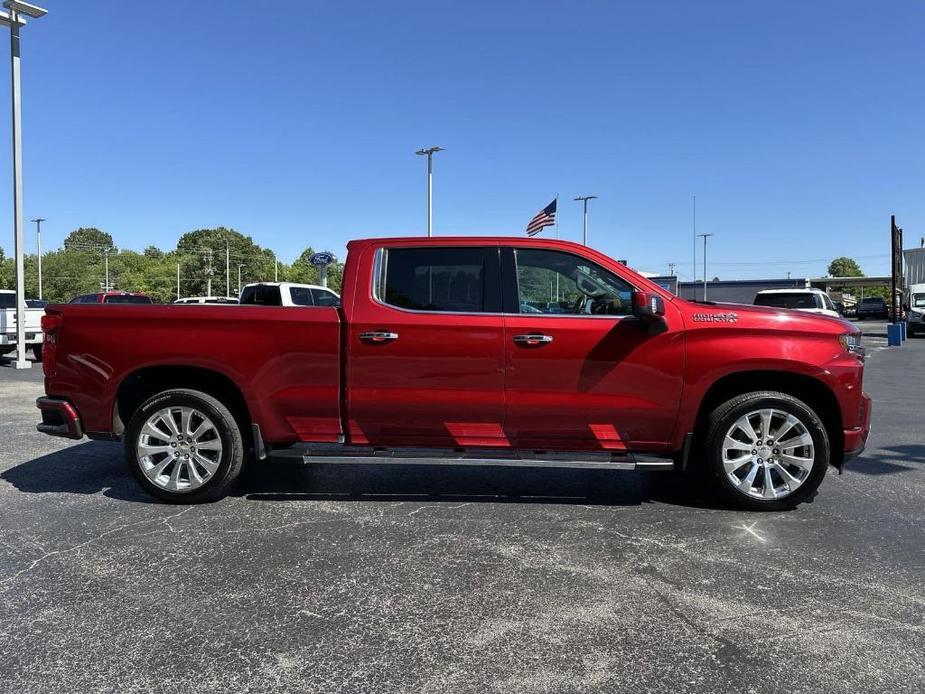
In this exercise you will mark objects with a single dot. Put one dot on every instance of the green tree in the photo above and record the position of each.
(88, 238)
(845, 267)
(204, 247)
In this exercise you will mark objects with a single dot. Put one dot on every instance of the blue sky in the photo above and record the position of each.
(798, 125)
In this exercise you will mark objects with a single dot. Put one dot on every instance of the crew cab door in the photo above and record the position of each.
(425, 348)
(581, 371)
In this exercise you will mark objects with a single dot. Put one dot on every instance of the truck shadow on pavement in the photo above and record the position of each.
(97, 467)
(888, 460)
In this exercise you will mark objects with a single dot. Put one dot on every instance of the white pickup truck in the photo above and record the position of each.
(33, 325)
(288, 294)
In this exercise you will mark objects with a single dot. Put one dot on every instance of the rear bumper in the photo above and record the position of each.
(59, 418)
(856, 438)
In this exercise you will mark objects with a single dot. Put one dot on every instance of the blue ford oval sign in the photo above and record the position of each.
(321, 258)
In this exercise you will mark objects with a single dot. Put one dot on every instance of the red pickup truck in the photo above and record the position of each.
(476, 350)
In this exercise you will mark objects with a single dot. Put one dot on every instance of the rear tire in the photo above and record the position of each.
(37, 352)
(184, 447)
(747, 461)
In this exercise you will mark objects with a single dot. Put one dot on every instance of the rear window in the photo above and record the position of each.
(447, 279)
(127, 299)
(261, 295)
(787, 300)
(7, 300)
(873, 301)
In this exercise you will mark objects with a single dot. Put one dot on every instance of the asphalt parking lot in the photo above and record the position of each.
(433, 579)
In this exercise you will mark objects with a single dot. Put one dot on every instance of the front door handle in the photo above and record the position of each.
(533, 339)
(378, 336)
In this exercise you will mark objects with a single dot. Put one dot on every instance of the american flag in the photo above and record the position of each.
(544, 218)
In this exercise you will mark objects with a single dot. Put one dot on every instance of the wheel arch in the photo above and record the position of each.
(812, 391)
(141, 384)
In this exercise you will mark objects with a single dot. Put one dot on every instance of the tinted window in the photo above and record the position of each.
(128, 299)
(84, 299)
(827, 302)
(261, 295)
(787, 300)
(462, 280)
(301, 296)
(34, 303)
(873, 301)
(325, 298)
(7, 300)
(554, 282)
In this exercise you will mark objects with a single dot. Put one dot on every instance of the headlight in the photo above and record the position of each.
(851, 342)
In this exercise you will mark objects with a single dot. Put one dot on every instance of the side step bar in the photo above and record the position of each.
(362, 455)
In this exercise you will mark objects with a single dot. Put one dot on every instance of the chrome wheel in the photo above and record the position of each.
(768, 454)
(179, 449)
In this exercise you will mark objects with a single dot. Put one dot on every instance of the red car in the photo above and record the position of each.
(113, 298)
(479, 350)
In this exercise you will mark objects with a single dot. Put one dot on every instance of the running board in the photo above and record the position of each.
(364, 455)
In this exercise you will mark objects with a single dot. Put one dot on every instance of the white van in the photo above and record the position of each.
(915, 310)
(809, 300)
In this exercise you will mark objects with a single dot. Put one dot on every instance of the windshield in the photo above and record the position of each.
(918, 300)
(787, 300)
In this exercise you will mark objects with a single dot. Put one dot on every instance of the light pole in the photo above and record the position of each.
(227, 271)
(584, 199)
(178, 281)
(240, 265)
(430, 151)
(705, 237)
(14, 20)
(106, 262)
(38, 244)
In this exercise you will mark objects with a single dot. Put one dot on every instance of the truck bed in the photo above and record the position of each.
(284, 361)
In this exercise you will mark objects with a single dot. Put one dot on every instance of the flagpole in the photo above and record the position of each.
(557, 238)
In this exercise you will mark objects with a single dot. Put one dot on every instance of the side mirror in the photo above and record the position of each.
(648, 305)
(649, 308)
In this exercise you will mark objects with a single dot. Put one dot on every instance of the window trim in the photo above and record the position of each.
(511, 286)
(380, 272)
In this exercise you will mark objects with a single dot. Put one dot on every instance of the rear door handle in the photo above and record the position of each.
(378, 336)
(533, 339)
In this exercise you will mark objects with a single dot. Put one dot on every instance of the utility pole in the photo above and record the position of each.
(178, 281)
(208, 274)
(705, 237)
(240, 265)
(429, 152)
(106, 262)
(13, 20)
(227, 271)
(38, 244)
(276, 268)
(584, 199)
(671, 267)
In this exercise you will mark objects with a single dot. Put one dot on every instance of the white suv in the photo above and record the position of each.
(288, 294)
(809, 300)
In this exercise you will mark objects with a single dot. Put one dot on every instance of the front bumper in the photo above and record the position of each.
(856, 437)
(59, 418)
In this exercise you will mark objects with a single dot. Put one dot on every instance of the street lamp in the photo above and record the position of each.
(584, 199)
(705, 237)
(15, 21)
(430, 151)
(38, 244)
(240, 265)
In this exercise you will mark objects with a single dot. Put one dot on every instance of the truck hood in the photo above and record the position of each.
(750, 316)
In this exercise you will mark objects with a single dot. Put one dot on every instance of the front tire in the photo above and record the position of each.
(184, 447)
(767, 451)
